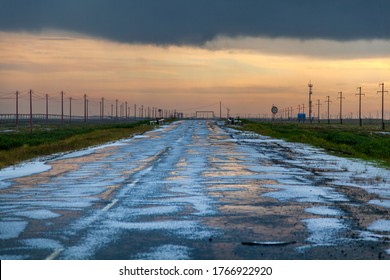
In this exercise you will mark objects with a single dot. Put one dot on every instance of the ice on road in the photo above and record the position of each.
(195, 190)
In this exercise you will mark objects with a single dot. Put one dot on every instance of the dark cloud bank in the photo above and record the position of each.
(197, 21)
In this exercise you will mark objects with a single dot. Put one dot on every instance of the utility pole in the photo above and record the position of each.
(102, 108)
(341, 106)
(360, 104)
(62, 107)
(303, 108)
(31, 111)
(310, 102)
(126, 109)
(116, 108)
(328, 101)
(17, 109)
(220, 110)
(383, 104)
(299, 109)
(135, 110)
(85, 108)
(70, 109)
(112, 110)
(318, 107)
(47, 107)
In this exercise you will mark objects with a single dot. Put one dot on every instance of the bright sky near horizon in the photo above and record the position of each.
(247, 71)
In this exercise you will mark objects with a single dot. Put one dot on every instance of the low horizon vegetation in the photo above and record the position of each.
(367, 143)
(20, 145)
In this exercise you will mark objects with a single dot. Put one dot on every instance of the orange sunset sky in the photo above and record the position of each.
(248, 74)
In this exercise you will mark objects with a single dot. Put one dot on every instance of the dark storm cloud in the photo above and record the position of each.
(197, 21)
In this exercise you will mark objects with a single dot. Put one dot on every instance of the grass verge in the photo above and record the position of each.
(20, 145)
(366, 143)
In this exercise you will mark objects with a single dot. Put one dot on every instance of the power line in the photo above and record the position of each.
(328, 101)
(17, 109)
(341, 106)
(360, 105)
(319, 105)
(31, 111)
(383, 103)
(310, 85)
(62, 107)
(6, 94)
(201, 107)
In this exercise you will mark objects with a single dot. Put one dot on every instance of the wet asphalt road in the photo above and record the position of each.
(195, 190)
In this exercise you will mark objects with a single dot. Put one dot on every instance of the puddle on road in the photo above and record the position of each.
(60, 167)
(55, 192)
(40, 214)
(305, 193)
(385, 203)
(25, 169)
(238, 172)
(203, 187)
(325, 211)
(187, 229)
(11, 228)
(166, 252)
(325, 231)
(42, 243)
(338, 191)
(380, 226)
(182, 163)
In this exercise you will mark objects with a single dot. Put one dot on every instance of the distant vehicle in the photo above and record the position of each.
(156, 122)
(233, 121)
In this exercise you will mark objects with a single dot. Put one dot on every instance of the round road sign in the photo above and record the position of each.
(274, 109)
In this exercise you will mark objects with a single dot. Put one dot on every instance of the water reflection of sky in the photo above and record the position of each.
(190, 181)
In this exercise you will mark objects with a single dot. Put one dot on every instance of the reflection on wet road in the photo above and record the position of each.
(195, 190)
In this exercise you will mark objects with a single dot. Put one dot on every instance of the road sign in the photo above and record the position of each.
(274, 110)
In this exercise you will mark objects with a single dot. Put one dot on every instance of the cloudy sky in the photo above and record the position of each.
(189, 55)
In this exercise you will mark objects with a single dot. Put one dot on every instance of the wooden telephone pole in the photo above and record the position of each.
(17, 109)
(310, 102)
(341, 106)
(360, 105)
(383, 104)
(328, 101)
(31, 115)
(318, 108)
(62, 107)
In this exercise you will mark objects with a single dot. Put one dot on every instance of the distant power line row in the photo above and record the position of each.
(340, 97)
(119, 110)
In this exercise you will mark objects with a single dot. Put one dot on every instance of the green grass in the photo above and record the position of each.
(20, 145)
(345, 140)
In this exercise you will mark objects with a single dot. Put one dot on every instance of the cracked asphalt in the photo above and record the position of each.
(195, 190)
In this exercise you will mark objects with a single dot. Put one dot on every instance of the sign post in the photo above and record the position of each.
(274, 111)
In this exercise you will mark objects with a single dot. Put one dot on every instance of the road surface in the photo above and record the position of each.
(195, 190)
